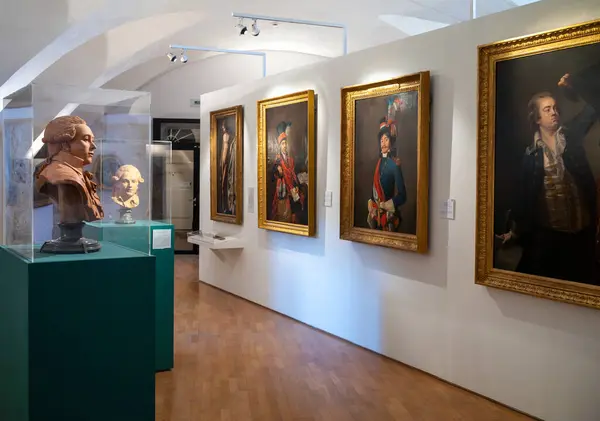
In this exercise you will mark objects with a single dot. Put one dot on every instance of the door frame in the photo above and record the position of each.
(185, 146)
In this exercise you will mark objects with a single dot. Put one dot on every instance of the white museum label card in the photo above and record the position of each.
(161, 239)
(447, 210)
(328, 198)
(250, 199)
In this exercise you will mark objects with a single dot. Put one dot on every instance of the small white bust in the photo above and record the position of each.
(125, 186)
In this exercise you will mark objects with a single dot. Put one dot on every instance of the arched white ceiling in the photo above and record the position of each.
(38, 33)
(145, 73)
(134, 43)
(93, 41)
(115, 48)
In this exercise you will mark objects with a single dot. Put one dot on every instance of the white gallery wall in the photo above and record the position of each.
(538, 356)
(172, 91)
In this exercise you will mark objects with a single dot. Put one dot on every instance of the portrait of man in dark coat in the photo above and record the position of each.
(553, 216)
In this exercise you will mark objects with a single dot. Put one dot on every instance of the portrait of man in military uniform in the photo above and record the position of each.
(548, 166)
(386, 163)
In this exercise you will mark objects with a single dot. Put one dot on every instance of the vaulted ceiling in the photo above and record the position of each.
(90, 42)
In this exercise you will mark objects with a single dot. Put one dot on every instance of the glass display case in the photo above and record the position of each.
(161, 156)
(75, 159)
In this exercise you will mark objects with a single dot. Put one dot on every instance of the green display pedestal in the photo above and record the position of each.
(140, 236)
(76, 336)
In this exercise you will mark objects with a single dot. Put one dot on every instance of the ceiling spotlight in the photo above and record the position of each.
(255, 30)
(172, 57)
(241, 27)
(183, 58)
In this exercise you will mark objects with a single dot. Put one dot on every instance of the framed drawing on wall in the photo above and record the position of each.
(385, 163)
(286, 163)
(226, 165)
(538, 201)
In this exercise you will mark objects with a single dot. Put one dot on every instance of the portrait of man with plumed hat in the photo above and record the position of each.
(286, 163)
(289, 199)
(386, 163)
(389, 191)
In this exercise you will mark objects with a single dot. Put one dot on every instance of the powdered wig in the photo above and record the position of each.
(61, 130)
(128, 169)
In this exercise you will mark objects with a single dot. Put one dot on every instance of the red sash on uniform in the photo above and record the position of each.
(381, 214)
(289, 177)
(288, 172)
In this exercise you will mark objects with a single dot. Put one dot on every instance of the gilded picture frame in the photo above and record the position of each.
(565, 53)
(359, 128)
(226, 160)
(286, 178)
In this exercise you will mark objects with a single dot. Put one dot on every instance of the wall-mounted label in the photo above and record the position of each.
(447, 209)
(250, 199)
(328, 198)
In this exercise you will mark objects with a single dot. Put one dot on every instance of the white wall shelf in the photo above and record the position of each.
(216, 244)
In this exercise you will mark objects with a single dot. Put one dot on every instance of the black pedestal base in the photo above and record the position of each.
(71, 241)
(126, 217)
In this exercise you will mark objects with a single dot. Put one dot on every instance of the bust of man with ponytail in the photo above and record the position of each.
(62, 177)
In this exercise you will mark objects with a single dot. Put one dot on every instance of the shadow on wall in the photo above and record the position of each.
(307, 245)
(299, 275)
(431, 267)
(564, 317)
(543, 318)
(300, 288)
(293, 266)
(418, 284)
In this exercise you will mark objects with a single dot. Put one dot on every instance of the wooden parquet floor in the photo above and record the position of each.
(236, 361)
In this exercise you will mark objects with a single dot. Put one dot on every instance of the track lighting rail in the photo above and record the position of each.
(225, 51)
(298, 22)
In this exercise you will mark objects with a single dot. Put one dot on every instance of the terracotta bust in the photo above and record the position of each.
(125, 187)
(62, 177)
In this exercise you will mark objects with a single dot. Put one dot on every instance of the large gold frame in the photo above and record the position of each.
(238, 112)
(489, 55)
(416, 82)
(262, 106)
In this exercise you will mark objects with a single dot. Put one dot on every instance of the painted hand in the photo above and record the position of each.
(295, 194)
(372, 209)
(564, 81)
(508, 237)
(387, 205)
